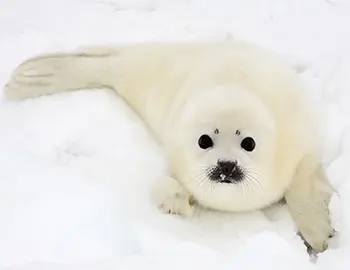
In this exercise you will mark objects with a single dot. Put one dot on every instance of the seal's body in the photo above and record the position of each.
(234, 121)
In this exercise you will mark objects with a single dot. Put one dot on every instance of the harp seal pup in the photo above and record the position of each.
(233, 118)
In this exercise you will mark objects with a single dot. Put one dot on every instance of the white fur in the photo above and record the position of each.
(185, 90)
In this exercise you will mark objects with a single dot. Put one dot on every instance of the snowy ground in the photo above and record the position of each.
(76, 168)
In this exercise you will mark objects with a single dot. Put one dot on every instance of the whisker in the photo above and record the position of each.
(252, 179)
(255, 182)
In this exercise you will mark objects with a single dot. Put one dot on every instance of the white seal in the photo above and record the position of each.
(233, 118)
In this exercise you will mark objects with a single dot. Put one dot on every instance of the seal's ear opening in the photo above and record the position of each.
(308, 199)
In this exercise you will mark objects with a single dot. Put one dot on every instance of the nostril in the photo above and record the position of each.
(226, 166)
(226, 169)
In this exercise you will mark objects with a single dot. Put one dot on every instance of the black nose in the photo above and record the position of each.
(226, 167)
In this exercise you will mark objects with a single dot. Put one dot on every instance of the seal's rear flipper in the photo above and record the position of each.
(53, 73)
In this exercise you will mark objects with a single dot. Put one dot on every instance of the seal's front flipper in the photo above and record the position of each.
(308, 200)
(172, 198)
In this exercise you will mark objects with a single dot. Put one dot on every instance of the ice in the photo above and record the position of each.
(76, 169)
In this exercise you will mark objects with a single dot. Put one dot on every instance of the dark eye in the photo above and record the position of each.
(205, 142)
(248, 144)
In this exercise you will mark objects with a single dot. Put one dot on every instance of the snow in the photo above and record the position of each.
(77, 168)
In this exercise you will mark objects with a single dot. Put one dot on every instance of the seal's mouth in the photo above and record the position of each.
(226, 172)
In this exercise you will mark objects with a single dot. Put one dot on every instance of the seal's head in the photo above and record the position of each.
(226, 150)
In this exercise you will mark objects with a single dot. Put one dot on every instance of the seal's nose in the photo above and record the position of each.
(226, 167)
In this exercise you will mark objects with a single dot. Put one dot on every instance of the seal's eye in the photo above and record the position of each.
(205, 141)
(248, 144)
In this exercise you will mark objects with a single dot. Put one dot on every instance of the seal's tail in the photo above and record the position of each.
(53, 73)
